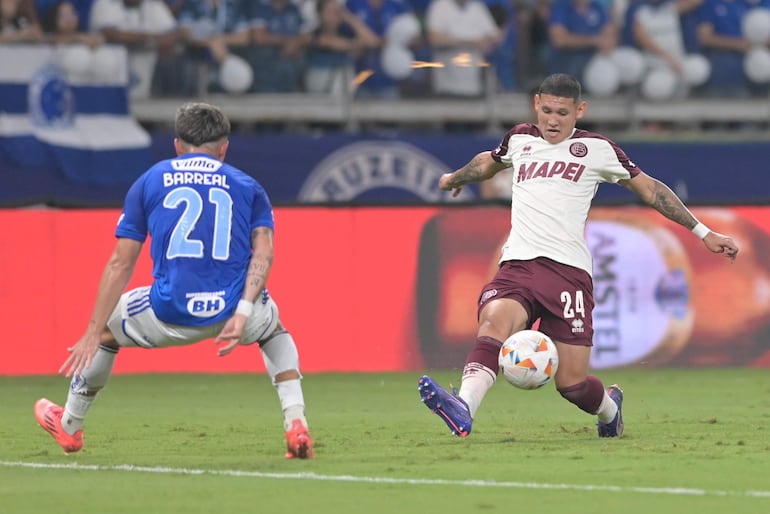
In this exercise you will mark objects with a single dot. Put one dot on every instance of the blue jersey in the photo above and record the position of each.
(199, 213)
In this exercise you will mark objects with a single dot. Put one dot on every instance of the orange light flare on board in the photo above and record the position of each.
(462, 60)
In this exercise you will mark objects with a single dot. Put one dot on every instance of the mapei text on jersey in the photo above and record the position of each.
(568, 171)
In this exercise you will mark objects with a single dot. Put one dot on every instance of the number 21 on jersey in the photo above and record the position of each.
(180, 244)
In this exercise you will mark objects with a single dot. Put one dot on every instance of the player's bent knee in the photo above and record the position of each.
(279, 330)
(108, 339)
(291, 374)
(281, 357)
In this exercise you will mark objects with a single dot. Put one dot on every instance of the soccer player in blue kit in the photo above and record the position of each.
(211, 228)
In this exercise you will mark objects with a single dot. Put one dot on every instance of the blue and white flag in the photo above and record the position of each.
(67, 108)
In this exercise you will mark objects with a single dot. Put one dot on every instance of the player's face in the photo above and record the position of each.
(557, 116)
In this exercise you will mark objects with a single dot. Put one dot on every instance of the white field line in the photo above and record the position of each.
(678, 491)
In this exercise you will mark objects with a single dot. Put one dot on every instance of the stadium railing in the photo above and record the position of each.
(494, 111)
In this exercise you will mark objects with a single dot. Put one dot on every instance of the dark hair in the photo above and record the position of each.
(319, 6)
(561, 85)
(50, 19)
(50, 16)
(198, 123)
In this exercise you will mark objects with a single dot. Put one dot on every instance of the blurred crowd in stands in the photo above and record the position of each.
(415, 48)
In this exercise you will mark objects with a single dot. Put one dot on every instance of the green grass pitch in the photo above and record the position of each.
(696, 441)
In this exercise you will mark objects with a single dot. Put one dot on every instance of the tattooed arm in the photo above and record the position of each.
(256, 278)
(480, 168)
(660, 197)
(260, 263)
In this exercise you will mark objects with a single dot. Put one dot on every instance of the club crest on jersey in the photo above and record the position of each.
(578, 149)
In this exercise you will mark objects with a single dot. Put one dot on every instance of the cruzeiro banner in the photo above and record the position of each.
(65, 108)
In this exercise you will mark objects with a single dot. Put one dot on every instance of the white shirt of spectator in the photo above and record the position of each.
(661, 23)
(553, 187)
(309, 14)
(151, 16)
(470, 21)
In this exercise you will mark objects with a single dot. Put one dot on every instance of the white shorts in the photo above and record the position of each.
(145, 330)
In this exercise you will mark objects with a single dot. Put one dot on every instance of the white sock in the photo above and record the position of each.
(280, 355)
(83, 389)
(477, 381)
(292, 401)
(607, 409)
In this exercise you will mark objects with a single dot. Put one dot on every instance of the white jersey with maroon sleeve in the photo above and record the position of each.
(553, 187)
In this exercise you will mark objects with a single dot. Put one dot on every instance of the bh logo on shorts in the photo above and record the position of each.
(205, 305)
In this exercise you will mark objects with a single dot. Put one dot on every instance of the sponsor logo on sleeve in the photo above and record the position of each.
(487, 295)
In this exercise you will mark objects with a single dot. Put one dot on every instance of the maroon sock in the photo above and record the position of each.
(587, 395)
(485, 353)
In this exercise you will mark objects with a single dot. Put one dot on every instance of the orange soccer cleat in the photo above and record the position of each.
(49, 415)
(299, 445)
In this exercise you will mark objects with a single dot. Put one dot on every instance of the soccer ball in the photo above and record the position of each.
(528, 359)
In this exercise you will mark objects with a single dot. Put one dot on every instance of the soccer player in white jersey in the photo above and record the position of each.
(211, 228)
(545, 268)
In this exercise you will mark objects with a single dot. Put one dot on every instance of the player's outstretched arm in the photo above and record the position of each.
(114, 280)
(659, 196)
(480, 168)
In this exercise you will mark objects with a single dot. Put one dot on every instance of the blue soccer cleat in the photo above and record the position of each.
(449, 407)
(615, 427)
